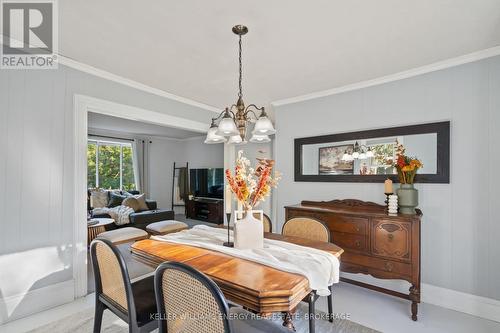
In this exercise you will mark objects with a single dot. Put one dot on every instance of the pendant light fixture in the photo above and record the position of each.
(234, 120)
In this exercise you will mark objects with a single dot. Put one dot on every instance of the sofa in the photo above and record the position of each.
(139, 219)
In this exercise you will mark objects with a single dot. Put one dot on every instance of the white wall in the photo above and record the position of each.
(460, 227)
(36, 178)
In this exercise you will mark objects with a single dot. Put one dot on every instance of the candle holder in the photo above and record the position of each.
(387, 198)
(228, 243)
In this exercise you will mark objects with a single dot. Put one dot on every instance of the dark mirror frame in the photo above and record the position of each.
(443, 153)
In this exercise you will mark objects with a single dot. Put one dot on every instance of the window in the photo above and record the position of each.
(383, 159)
(110, 165)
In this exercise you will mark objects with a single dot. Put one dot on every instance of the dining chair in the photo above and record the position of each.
(312, 229)
(133, 302)
(266, 220)
(190, 302)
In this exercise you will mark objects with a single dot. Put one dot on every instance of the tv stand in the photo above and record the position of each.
(205, 209)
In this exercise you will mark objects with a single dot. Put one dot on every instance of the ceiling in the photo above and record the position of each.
(293, 47)
(106, 123)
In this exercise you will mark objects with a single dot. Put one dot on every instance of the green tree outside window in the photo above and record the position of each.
(110, 165)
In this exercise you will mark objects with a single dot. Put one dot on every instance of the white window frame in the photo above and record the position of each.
(102, 142)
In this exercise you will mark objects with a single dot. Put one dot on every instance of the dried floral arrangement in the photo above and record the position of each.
(250, 185)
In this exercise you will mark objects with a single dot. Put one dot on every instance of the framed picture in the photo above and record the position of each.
(331, 163)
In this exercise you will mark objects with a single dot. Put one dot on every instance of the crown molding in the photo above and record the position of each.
(131, 83)
(471, 57)
(69, 62)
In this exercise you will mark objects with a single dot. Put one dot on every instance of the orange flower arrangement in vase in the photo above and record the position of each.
(407, 168)
(250, 186)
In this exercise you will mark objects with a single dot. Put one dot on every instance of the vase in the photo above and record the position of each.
(407, 198)
(248, 232)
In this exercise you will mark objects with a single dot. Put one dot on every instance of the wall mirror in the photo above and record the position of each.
(368, 156)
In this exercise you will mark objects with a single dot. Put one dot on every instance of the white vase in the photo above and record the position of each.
(248, 232)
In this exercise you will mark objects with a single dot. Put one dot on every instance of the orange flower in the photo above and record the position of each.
(416, 163)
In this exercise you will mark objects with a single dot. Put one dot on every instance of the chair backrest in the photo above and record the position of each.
(188, 301)
(268, 225)
(111, 275)
(306, 227)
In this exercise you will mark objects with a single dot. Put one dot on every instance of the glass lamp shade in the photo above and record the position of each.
(259, 138)
(370, 153)
(227, 127)
(355, 154)
(235, 139)
(212, 136)
(263, 126)
(346, 157)
(362, 156)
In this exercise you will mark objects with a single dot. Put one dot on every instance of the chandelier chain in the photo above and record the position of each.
(240, 93)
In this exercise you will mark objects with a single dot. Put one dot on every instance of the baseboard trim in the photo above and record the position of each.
(478, 306)
(33, 301)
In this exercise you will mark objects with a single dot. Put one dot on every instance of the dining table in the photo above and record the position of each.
(261, 289)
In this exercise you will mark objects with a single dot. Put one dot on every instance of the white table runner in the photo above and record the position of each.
(319, 267)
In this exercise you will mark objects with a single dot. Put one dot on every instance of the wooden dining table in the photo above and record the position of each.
(259, 288)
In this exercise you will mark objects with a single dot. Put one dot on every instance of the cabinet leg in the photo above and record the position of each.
(414, 309)
(415, 299)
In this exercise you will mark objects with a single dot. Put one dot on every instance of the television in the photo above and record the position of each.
(207, 183)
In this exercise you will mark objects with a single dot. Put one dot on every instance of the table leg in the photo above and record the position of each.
(287, 321)
(330, 304)
(311, 299)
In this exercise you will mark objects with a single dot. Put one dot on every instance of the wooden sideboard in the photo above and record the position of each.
(376, 243)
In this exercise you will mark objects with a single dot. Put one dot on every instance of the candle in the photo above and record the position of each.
(228, 202)
(388, 186)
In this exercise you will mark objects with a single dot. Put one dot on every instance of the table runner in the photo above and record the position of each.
(319, 267)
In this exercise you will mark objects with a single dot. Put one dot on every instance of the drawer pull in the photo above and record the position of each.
(357, 229)
(358, 243)
(389, 266)
(391, 237)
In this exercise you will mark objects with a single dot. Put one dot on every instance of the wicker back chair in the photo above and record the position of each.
(266, 220)
(306, 227)
(132, 302)
(312, 229)
(188, 301)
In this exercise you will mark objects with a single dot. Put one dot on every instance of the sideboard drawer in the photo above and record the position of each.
(388, 266)
(391, 239)
(347, 224)
(350, 241)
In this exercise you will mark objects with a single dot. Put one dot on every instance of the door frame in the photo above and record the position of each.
(82, 105)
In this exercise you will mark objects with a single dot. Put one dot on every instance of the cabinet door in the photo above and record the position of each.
(391, 239)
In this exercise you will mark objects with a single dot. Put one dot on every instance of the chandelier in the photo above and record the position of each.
(361, 152)
(234, 120)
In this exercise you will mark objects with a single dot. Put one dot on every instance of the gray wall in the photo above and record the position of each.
(460, 228)
(36, 173)
(163, 154)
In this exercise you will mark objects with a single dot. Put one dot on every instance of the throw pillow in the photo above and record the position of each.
(98, 198)
(132, 203)
(141, 198)
(115, 200)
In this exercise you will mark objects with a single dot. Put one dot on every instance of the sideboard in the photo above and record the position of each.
(375, 243)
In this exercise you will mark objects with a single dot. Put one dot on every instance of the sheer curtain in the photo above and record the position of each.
(140, 149)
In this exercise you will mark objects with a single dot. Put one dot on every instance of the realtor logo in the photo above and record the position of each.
(29, 34)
